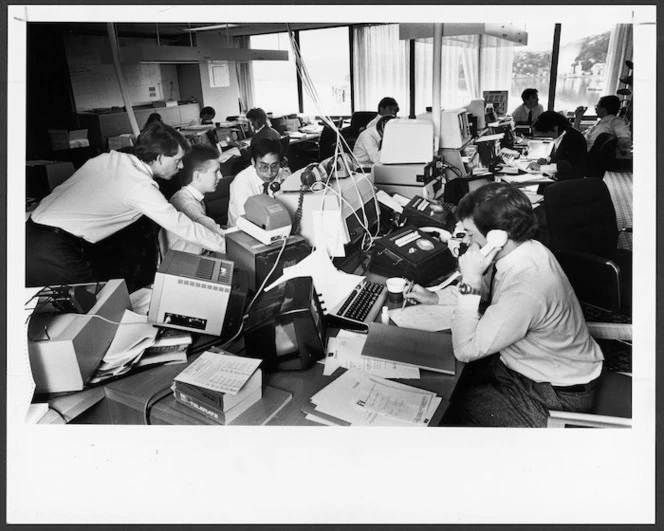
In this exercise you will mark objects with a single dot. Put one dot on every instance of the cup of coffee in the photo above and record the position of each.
(395, 288)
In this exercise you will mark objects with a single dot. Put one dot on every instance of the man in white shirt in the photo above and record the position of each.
(264, 176)
(607, 109)
(529, 111)
(386, 106)
(368, 144)
(529, 351)
(107, 194)
(200, 175)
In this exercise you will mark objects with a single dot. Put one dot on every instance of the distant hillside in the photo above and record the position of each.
(576, 56)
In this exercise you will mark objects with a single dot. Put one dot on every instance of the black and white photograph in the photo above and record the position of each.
(331, 264)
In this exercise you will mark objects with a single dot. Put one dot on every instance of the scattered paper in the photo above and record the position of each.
(332, 285)
(390, 403)
(132, 337)
(219, 372)
(140, 300)
(428, 317)
(346, 352)
(329, 232)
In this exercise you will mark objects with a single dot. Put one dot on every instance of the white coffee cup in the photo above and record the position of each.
(395, 288)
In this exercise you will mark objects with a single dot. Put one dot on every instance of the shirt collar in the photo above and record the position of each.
(558, 140)
(197, 195)
(261, 127)
(514, 257)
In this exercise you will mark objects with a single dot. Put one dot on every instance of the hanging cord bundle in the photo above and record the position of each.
(339, 151)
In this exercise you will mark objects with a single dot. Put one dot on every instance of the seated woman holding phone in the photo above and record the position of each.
(529, 351)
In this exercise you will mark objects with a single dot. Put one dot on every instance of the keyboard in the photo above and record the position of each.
(360, 307)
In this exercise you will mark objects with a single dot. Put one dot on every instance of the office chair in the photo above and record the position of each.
(613, 405)
(613, 408)
(326, 143)
(601, 156)
(358, 121)
(583, 235)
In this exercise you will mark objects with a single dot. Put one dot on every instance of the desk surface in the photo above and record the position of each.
(132, 393)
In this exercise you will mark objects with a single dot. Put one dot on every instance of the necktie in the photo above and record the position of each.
(266, 187)
(484, 303)
(530, 117)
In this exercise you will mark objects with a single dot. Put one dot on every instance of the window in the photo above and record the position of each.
(531, 65)
(326, 57)
(582, 64)
(457, 69)
(274, 82)
(381, 65)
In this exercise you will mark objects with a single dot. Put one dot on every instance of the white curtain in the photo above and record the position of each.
(620, 49)
(380, 67)
(244, 77)
(457, 52)
(496, 58)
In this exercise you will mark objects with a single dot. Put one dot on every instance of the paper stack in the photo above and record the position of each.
(170, 346)
(219, 386)
(358, 399)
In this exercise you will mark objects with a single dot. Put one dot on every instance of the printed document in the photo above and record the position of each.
(222, 373)
(429, 317)
(346, 352)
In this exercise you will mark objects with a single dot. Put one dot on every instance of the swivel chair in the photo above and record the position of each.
(601, 156)
(358, 121)
(583, 235)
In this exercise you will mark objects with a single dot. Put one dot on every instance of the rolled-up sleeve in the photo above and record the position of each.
(148, 200)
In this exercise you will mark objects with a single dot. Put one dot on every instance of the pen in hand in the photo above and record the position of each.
(408, 289)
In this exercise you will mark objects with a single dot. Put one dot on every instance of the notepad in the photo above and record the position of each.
(426, 350)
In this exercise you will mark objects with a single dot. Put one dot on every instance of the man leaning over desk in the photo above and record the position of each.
(107, 194)
(530, 350)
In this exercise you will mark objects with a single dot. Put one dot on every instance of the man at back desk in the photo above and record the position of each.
(529, 351)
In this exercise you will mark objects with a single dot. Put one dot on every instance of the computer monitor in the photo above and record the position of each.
(454, 128)
(348, 207)
(489, 152)
(225, 135)
(477, 109)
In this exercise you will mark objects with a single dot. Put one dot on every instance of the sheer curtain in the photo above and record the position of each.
(380, 67)
(459, 72)
(244, 77)
(620, 48)
(496, 59)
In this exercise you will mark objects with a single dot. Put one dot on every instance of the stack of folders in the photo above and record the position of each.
(356, 398)
(219, 386)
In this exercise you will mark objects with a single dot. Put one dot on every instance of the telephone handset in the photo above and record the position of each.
(494, 239)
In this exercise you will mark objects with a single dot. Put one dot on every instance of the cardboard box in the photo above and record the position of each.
(63, 139)
(77, 343)
(42, 176)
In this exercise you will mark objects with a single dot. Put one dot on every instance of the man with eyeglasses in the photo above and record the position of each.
(263, 176)
(607, 110)
(108, 193)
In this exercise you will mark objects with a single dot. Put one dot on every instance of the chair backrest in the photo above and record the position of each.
(601, 155)
(580, 216)
(327, 142)
(360, 119)
(285, 141)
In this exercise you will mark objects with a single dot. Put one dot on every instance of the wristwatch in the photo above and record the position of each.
(465, 289)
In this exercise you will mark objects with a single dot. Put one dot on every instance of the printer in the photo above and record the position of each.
(191, 292)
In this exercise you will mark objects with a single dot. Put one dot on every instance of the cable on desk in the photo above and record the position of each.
(258, 292)
(149, 403)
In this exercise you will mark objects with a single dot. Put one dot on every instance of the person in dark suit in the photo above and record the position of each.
(569, 154)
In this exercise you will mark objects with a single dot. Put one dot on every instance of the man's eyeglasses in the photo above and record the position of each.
(268, 167)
